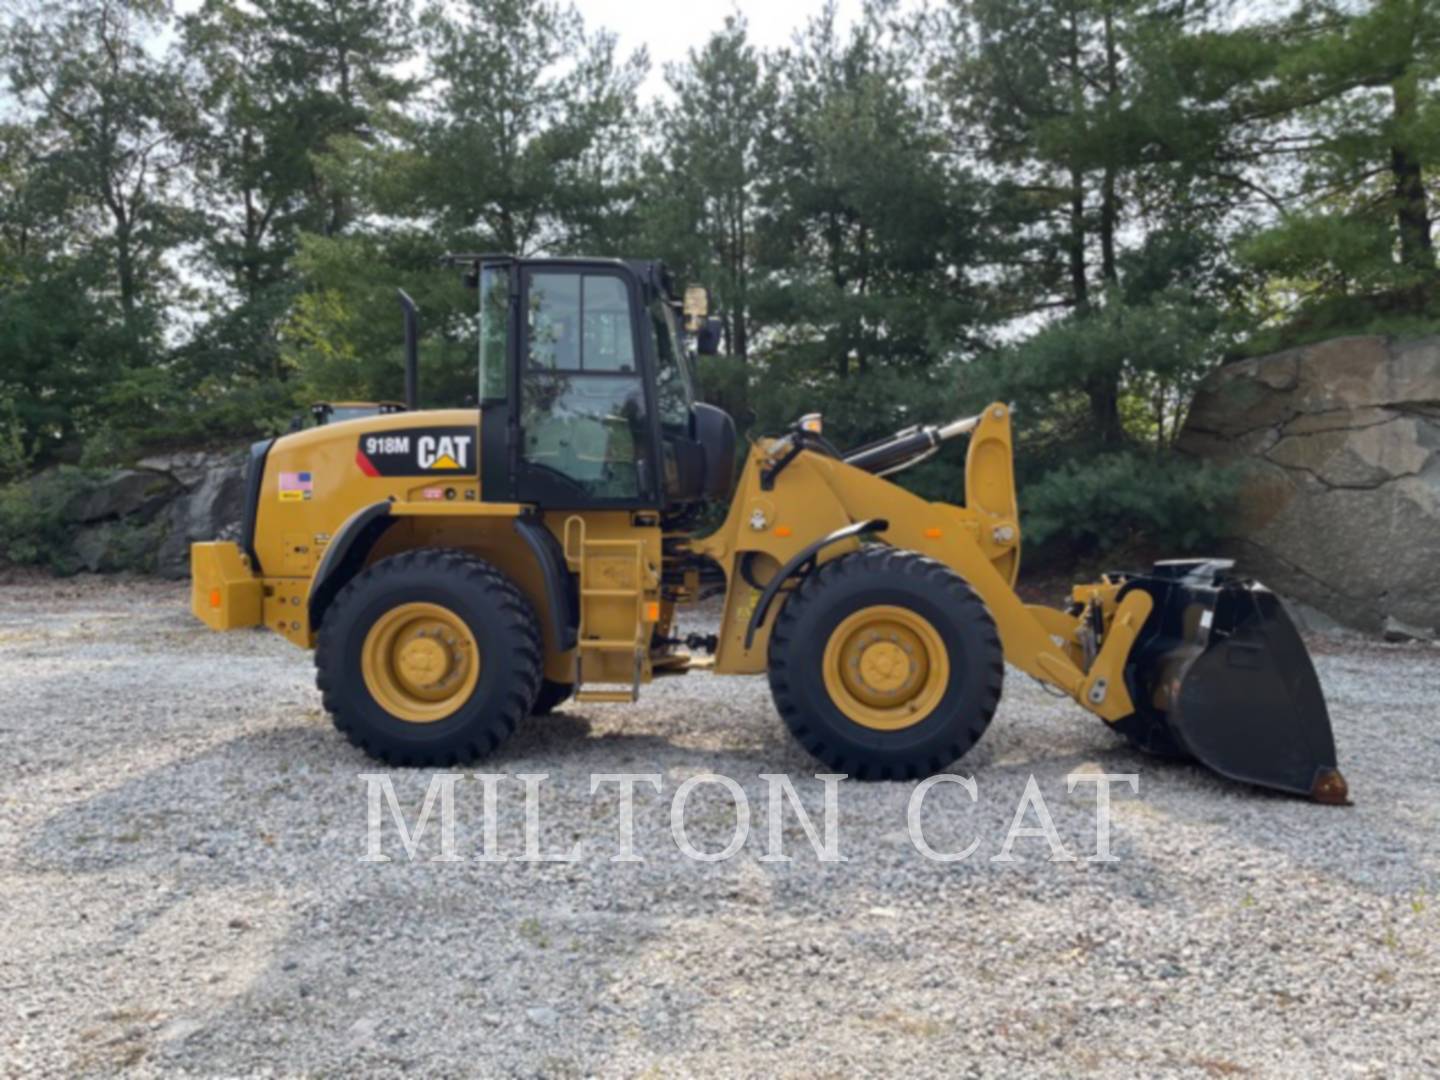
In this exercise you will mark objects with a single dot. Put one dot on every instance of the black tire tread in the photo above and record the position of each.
(463, 572)
(939, 581)
(552, 695)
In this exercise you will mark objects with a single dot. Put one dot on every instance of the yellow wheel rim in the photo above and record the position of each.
(420, 662)
(886, 667)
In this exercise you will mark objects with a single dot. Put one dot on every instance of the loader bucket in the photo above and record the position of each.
(1220, 674)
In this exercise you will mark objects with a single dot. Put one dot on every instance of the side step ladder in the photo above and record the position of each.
(612, 597)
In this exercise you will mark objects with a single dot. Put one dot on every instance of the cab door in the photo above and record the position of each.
(586, 431)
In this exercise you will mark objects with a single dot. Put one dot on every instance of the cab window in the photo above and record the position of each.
(494, 336)
(580, 322)
(582, 409)
(674, 388)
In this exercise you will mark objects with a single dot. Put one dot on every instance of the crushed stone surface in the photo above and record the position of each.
(183, 889)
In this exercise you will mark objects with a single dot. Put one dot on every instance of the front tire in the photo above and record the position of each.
(429, 658)
(884, 664)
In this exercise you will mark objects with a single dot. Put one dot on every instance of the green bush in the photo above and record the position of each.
(33, 527)
(1126, 500)
(15, 456)
(766, 401)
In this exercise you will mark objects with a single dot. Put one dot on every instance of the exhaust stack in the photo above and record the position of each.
(412, 350)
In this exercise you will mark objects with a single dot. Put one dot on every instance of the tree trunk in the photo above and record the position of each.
(340, 208)
(742, 330)
(1412, 215)
(1079, 282)
(1104, 393)
(1079, 285)
(125, 271)
(1109, 210)
(1109, 217)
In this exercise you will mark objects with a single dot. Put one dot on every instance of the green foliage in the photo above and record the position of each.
(1093, 131)
(283, 89)
(1079, 207)
(28, 533)
(724, 383)
(33, 527)
(343, 339)
(1156, 350)
(1121, 500)
(703, 218)
(15, 456)
(530, 144)
(89, 213)
(867, 236)
(1353, 247)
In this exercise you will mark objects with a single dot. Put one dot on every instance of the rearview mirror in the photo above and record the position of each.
(696, 307)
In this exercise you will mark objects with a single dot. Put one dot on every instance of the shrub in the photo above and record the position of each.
(15, 456)
(33, 527)
(1128, 499)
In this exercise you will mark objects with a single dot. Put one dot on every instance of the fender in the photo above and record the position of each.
(559, 584)
(254, 480)
(345, 555)
(797, 564)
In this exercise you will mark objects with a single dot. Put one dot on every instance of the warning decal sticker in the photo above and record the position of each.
(295, 486)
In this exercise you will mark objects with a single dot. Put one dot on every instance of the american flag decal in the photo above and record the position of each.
(295, 486)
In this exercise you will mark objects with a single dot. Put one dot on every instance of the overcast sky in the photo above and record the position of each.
(669, 28)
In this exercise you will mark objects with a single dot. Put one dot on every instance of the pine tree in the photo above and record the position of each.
(285, 88)
(1358, 95)
(529, 141)
(1103, 192)
(96, 170)
(722, 101)
(867, 236)
(337, 59)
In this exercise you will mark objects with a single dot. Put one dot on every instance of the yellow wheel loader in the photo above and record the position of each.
(458, 570)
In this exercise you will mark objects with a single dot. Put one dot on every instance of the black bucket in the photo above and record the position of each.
(1220, 674)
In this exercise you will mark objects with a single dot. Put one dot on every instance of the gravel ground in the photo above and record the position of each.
(182, 890)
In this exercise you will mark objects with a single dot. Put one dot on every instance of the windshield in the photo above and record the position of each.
(674, 382)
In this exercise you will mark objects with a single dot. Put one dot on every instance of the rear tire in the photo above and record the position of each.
(552, 695)
(885, 665)
(429, 658)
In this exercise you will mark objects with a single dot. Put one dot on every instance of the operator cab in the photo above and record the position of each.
(587, 392)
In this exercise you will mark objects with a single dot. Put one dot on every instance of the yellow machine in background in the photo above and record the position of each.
(335, 412)
(457, 570)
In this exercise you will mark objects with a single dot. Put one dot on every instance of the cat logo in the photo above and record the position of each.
(438, 451)
(444, 452)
